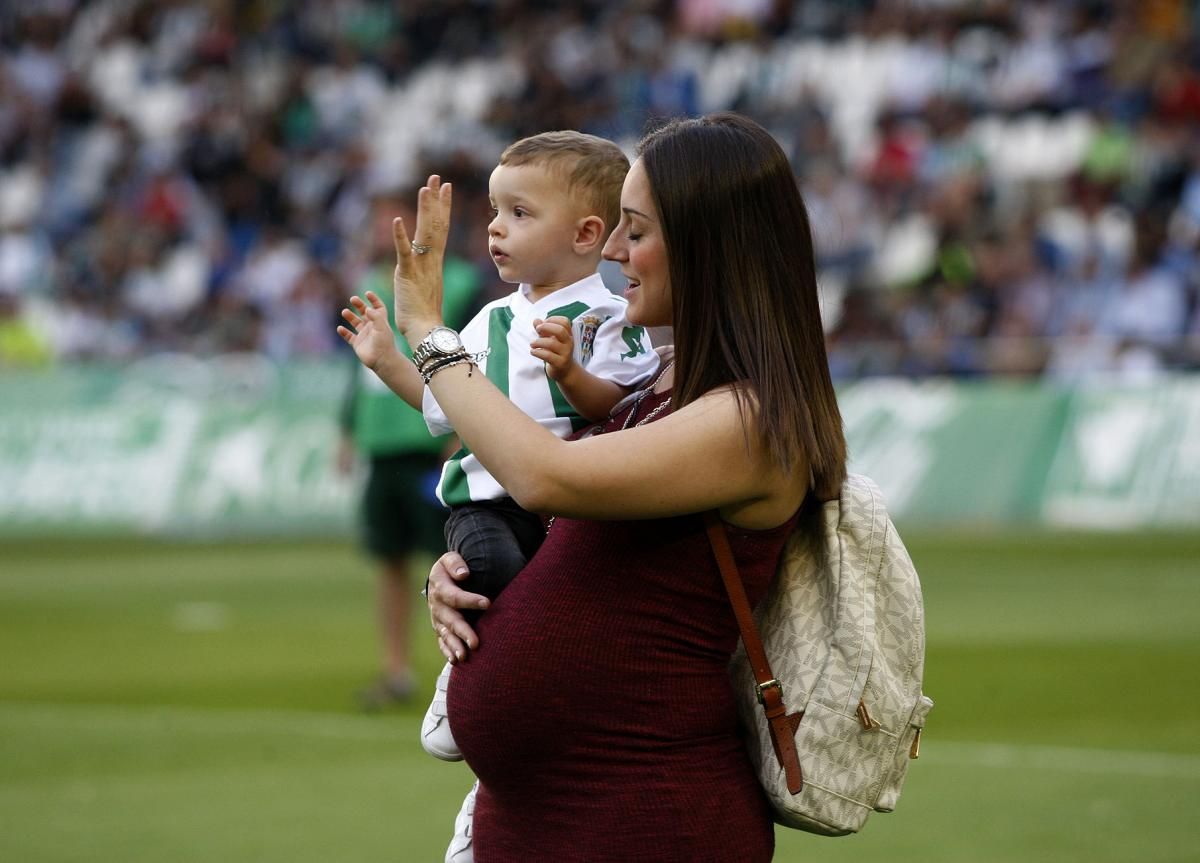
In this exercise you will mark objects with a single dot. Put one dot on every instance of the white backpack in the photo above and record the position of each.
(843, 630)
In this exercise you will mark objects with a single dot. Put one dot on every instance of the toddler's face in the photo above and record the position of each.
(534, 222)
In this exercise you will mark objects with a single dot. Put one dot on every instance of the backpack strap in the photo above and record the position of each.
(770, 692)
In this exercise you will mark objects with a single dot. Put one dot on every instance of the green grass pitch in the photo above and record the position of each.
(176, 703)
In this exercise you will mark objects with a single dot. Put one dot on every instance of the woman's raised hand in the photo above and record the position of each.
(418, 278)
(370, 333)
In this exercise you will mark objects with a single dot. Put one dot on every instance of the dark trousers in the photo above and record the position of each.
(496, 539)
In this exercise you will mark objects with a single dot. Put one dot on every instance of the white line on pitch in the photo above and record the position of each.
(216, 721)
(1063, 758)
(335, 726)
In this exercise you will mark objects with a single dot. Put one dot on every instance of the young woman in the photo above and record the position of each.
(593, 703)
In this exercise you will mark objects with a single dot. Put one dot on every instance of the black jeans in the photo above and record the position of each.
(496, 539)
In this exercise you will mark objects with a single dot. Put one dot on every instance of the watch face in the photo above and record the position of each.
(445, 340)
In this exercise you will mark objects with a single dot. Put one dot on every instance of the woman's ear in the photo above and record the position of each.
(589, 234)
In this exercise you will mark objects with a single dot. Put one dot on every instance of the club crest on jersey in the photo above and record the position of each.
(588, 326)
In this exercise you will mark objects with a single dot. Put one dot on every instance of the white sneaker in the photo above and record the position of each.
(460, 850)
(435, 729)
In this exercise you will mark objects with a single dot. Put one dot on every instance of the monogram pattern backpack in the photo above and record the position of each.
(831, 695)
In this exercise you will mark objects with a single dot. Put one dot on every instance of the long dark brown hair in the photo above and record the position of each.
(744, 286)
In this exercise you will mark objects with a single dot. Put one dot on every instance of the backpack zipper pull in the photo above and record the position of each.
(864, 717)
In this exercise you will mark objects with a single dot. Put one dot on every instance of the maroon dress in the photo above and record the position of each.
(596, 711)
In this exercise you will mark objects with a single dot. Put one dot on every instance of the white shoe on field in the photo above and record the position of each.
(461, 850)
(436, 737)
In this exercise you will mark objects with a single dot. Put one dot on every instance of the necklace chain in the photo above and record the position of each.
(641, 396)
(662, 407)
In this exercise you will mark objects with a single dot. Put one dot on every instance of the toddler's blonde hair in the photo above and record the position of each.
(592, 167)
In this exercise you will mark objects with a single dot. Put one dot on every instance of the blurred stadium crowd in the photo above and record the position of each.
(995, 187)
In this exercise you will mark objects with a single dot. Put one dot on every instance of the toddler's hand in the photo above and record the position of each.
(371, 336)
(554, 346)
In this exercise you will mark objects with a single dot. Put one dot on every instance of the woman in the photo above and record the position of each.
(594, 704)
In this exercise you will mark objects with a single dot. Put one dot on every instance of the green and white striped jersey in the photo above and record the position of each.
(606, 344)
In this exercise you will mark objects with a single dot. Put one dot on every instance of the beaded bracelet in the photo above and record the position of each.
(455, 359)
(427, 368)
(437, 359)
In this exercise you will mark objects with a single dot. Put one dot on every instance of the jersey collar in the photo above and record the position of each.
(562, 296)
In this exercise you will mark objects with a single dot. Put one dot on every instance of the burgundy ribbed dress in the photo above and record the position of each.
(596, 711)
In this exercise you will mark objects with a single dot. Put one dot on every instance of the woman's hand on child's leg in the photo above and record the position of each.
(456, 638)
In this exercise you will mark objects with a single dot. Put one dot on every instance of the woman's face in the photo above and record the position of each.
(638, 246)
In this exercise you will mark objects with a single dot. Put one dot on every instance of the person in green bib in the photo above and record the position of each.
(400, 518)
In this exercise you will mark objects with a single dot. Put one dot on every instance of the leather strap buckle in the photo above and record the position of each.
(763, 687)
